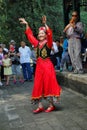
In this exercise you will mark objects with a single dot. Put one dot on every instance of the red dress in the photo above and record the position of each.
(45, 83)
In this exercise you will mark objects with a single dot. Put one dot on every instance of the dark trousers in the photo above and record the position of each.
(2, 72)
(65, 59)
(34, 68)
(27, 73)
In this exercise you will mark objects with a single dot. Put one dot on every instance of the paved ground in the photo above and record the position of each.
(16, 110)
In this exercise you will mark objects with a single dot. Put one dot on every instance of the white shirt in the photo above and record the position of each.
(55, 48)
(25, 54)
(5, 49)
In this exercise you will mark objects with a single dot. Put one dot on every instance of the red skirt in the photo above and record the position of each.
(45, 83)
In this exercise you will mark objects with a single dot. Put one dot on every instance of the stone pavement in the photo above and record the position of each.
(16, 110)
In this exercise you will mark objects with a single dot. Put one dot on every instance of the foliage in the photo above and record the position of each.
(32, 11)
(84, 19)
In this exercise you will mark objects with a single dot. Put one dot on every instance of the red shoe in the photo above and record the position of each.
(38, 110)
(21, 81)
(49, 109)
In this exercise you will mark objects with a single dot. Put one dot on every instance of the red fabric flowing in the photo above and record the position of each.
(45, 83)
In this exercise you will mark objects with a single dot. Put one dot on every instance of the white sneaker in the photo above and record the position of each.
(1, 84)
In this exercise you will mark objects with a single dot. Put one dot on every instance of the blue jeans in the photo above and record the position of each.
(58, 62)
(65, 59)
(27, 73)
(16, 69)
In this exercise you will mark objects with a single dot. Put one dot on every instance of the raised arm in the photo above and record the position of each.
(49, 37)
(66, 28)
(29, 33)
(48, 31)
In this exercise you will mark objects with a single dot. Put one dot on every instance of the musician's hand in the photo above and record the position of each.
(68, 26)
(23, 21)
(72, 25)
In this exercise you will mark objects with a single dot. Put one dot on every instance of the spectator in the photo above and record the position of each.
(74, 30)
(84, 43)
(84, 49)
(16, 70)
(59, 54)
(61, 40)
(5, 50)
(1, 58)
(65, 56)
(7, 67)
(25, 54)
(33, 57)
(54, 51)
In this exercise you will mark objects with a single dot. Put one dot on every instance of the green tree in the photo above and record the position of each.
(31, 10)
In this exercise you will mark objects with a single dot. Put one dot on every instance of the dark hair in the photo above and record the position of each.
(0, 46)
(75, 12)
(5, 53)
(78, 18)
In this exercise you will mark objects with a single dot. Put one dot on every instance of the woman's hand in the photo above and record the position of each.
(44, 19)
(23, 21)
(65, 29)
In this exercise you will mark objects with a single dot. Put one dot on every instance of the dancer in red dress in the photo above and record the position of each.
(45, 83)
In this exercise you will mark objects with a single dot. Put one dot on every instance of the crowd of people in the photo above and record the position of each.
(46, 55)
(15, 62)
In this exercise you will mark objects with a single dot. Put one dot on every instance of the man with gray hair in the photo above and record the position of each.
(74, 31)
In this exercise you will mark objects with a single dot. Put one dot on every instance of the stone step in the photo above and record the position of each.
(77, 82)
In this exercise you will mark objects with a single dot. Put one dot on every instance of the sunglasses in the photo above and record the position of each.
(74, 15)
